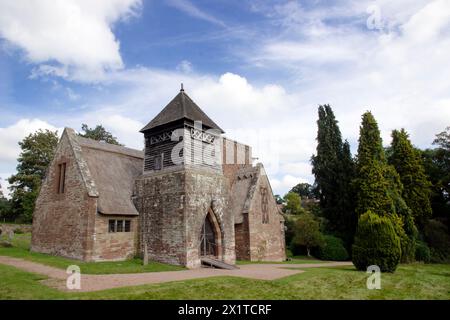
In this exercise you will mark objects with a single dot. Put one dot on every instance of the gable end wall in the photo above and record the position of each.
(63, 224)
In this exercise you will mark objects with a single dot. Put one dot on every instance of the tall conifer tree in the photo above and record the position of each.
(371, 183)
(379, 188)
(416, 187)
(333, 169)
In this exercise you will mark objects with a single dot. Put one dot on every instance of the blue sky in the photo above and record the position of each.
(258, 68)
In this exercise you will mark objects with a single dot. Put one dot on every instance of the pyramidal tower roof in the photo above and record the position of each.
(181, 107)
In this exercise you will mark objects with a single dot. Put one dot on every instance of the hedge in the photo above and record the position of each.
(333, 249)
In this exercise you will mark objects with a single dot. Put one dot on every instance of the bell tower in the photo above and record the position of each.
(182, 135)
(183, 190)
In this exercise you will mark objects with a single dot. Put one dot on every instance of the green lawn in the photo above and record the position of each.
(21, 245)
(414, 281)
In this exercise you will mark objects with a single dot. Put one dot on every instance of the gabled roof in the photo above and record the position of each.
(108, 171)
(244, 188)
(181, 107)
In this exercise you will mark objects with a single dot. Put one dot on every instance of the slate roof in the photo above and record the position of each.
(181, 107)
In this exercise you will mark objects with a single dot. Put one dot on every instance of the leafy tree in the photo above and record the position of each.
(37, 151)
(307, 232)
(408, 164)
(98, 133)
(443, 139)
(293, 203)
(333, 169)
(304, 190)
(437, 168)
(376, 243)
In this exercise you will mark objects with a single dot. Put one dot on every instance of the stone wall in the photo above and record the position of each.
(5, 228)
(267, 241)
(160, 201)
(114, 246)
(64, 222)
(173, 207)
(235, 156)
(208, 192)
(242, 241)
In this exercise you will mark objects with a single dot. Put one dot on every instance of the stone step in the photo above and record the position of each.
(217, 264)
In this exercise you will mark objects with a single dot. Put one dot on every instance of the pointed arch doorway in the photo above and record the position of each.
(210, 237)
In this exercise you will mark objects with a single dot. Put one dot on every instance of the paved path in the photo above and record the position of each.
(101, 282)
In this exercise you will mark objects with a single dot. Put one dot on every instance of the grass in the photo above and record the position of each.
(413, 281)
(21, 246)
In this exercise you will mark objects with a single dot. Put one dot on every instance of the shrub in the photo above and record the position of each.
(438, 239)
(333, 249)
(422, 252)
(376, 243)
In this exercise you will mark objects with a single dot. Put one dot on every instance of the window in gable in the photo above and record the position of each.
(61, 177)
(264, 205)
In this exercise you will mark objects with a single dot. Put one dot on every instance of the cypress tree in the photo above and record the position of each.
(325, 162)
(346, 197)
(408, 164)
(371, 182)
(333, 169)
(380, 188)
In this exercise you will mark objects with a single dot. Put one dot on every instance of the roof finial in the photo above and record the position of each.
(182, 87)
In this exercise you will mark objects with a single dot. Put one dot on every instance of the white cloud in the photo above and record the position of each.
(429, 22)
(125, 129)
(185, 66)
(193, 11)
(283, 185)
(10, 136)
(9, 145)
(70, 37)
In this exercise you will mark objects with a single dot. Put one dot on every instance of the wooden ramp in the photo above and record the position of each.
(213, 263)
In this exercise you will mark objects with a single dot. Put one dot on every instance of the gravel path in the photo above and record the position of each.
(101, 282)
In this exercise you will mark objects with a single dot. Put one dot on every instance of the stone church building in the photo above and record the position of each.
(192, 196)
